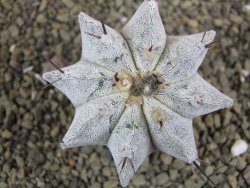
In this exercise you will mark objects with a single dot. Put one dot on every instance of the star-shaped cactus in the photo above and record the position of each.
(137, 91)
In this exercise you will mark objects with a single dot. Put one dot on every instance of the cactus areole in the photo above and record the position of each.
(137, 91)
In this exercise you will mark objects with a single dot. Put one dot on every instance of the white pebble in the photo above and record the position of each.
(247, 8)
(239, 147)
(28, 69)
(124, 19)
(12, 48)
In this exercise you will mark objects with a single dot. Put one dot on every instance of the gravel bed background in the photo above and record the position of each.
(33, 121)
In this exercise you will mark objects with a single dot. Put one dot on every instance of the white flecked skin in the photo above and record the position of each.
(103, 114)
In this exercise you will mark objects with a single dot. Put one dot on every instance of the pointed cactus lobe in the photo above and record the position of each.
(137, 91)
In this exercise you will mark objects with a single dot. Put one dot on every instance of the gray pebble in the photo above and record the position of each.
(95, 185)
(68, 3)
(6, 134)
(173, 174)
(232, 181)
(166, 159)
(110, 184)
(178, 164)
(106, 171)
(3, 185)
(139, 180)
(246, 175)
(64, 17)
(162, 178)
(19, 161)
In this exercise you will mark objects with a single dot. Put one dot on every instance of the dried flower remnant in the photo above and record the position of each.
(137, 91)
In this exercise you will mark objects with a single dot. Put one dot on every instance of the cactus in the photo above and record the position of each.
(137, 91)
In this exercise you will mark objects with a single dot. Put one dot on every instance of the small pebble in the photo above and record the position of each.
(247, 175)
(139, 180)
(166, 159)
(3, 185)
(239, 147)
(68, 3)
(106, 171)
(95, 185)
(110, 184)
(162, 178)
(192, 23)
(6, 134)
(232, 181)
(19, 162)
(173, 174)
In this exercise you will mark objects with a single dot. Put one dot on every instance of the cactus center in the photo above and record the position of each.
(145, 85)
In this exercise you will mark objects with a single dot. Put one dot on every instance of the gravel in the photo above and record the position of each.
(33, 121)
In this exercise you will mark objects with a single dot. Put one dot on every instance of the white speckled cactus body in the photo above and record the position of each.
(137, 91)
